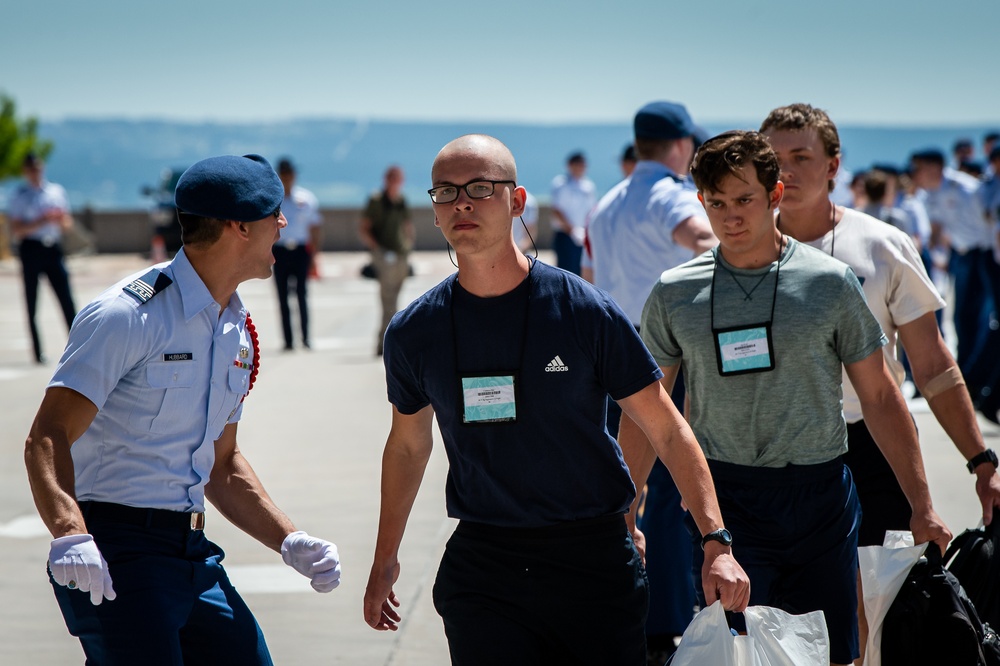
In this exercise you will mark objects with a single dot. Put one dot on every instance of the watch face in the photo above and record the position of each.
(723, 536)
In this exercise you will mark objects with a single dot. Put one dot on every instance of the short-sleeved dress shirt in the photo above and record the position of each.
(631, 233)
(166, 375)
(29, 204)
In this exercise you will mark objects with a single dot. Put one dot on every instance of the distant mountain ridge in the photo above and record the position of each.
(104, 163)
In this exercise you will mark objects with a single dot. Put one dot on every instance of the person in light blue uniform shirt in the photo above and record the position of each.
(295, 252)
(956, 214)
(988, 401)
(646, 224)
(39, 214)
(138, 428)
(573, 196)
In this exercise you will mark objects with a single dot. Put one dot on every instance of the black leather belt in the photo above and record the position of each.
(134, 515)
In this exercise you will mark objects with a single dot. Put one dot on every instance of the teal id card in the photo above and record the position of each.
(488, 399)
(744, 350)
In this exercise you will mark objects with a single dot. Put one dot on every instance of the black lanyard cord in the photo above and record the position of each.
(524, 332)
(774, 296)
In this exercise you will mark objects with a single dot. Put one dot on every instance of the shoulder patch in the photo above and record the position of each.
(144, 288)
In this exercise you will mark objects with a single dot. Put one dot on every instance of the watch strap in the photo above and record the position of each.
(986, 456)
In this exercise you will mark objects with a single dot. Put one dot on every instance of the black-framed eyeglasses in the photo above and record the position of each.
(476, 189)
(277, 213)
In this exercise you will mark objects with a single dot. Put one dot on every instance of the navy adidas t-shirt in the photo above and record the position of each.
(556, 462)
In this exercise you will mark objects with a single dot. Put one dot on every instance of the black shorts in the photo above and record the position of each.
(882, 500)
(573, 593)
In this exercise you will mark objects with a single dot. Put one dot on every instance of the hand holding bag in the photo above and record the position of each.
(774, 638)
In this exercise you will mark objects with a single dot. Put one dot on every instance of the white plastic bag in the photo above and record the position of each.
(883, 571)
(774, 638)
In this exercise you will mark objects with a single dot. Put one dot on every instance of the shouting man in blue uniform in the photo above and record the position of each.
(516, 360)
(138, 427)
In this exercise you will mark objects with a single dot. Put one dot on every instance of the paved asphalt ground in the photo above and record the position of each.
(313, 428)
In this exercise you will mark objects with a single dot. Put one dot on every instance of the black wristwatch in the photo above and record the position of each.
(723, 536)
(986, 456)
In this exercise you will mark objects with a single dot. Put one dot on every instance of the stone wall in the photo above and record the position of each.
(130, 231)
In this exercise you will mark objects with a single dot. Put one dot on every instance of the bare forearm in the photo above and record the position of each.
(236, 491)
(402, 473)
(695, 233)
(52, 481)
(937, 376)
(639, 457)
(666, 434)
(689, 469)
(953, 410)
(560, 221)
(62, 418)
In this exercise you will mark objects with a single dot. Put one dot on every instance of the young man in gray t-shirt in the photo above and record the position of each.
(762, 327)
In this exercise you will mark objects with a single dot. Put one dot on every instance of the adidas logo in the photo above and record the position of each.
(556, 365)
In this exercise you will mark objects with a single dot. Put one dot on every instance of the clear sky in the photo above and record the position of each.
(880, 62)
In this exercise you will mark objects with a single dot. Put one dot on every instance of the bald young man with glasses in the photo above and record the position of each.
(516, 359)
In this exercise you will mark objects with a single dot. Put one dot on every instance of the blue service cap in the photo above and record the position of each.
(928, 155)
(230, 187)
(663, 120)
(885, 167)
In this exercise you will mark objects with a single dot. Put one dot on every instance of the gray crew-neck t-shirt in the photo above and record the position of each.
(792, 414)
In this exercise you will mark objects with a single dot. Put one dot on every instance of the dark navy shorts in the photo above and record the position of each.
(573, 593)
(882, 499)
(795, 533)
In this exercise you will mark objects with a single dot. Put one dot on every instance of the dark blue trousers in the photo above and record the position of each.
(175, 605)
(292, 265)
(38, 259)
(972, 292)
(568, 253)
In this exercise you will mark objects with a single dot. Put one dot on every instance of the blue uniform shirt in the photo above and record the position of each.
(957, 206)
(166, 375)
(632, 233)
(29, 204)
(301, 210)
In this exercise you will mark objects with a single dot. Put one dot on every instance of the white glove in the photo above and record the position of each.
(314, 558)
(76, 562)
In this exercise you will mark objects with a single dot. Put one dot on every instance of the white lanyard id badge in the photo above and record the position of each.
(489, 398)
(741, 350)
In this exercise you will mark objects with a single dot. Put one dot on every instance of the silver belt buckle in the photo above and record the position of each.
(198, 521)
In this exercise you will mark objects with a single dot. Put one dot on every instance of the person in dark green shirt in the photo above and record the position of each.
(387, 231)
